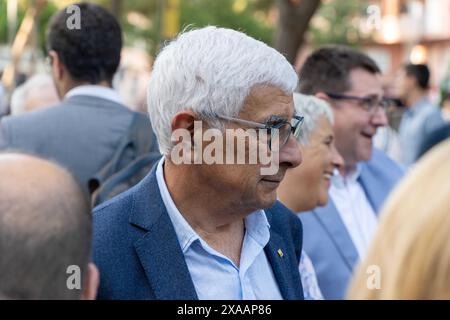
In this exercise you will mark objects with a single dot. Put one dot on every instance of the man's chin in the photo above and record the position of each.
(364, 156)
(268, 200)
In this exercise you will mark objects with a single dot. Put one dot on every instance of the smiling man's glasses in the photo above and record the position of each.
(273, 125)
(369, 104)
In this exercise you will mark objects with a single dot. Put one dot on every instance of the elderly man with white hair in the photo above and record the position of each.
(306, 187)
(201, 230)
(37, 92)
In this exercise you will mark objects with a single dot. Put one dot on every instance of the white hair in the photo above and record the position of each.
(312, 109)
(211, 71)
(40, 83)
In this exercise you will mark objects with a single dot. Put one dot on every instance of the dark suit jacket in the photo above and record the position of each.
(81, 133)
(137, 251)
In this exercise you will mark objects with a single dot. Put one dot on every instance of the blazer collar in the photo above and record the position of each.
(158, 250)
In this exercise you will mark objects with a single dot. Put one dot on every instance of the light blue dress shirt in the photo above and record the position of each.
(417, 122)
(214, 275)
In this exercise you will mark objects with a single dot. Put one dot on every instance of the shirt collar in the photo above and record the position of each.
(256, 224)
(95, 91)
(352, 177)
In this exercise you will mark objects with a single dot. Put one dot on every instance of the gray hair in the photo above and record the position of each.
(38, 83)
(312, 109)
(211, 71)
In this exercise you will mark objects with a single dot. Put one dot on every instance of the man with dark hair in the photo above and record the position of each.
(90, 54)
(87, 128)
(329, 68)
(421, 116)
(45, 232)
(338, 235)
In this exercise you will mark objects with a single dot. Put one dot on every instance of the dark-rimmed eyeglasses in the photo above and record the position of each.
(275, 125)
(369, 104)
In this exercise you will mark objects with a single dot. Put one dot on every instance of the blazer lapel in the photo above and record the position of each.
(331, 220)
(282, 265)
(158, 250)
(377, 191)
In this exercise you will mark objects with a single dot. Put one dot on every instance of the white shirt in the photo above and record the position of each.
(95, 91)
(354, 208)
(214, 275)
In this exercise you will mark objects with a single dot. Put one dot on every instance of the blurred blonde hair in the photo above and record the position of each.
(412, 244)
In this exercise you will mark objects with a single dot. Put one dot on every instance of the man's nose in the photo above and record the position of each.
(290, 153)
(379, 118)
(336, 158)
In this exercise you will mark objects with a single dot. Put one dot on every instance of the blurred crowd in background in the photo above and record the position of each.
(368, 71)
(394, 33)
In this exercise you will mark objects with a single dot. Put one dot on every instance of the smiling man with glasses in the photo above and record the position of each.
(338, 235)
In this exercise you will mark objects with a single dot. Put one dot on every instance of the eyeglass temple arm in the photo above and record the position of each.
(246, 122)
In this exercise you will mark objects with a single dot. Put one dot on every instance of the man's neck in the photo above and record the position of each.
(213, 215)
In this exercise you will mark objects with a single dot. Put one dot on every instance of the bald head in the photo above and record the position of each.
(45, 227)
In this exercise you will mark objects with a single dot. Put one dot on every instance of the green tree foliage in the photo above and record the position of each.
(42, 22)
(334, 23)
(3, 22)
(250, 16)
(245, 15)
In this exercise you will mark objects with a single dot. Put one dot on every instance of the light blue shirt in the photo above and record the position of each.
(214, 275)
(417, 122)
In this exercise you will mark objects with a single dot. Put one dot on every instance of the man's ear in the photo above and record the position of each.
(322, 95)
(184, 120)
(91, 283)
(57, 66)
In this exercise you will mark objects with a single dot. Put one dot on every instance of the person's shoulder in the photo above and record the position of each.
(29, 121)
(429, 110)
(383, 168)
(381, 160)
(33, 116)
(114, 211)
(111, 226)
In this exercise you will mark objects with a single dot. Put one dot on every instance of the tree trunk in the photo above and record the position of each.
(116, 8)
(293, 21)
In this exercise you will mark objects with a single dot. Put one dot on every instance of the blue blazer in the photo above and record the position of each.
(326, 239)
(139, 257)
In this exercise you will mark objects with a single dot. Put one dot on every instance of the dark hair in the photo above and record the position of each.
(420, 72)
(92, 52)
(45, 227)
(328, 68)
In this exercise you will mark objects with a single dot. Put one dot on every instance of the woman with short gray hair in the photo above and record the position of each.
(306, 186)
